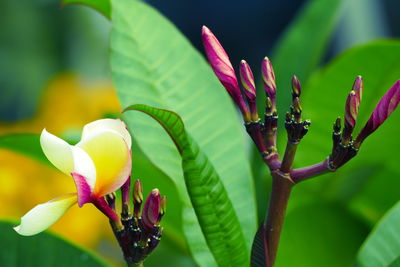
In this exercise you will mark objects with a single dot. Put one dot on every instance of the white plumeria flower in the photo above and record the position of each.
(99, 164)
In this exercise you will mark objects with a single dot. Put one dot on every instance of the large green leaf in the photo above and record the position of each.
(382, 247)
(45, 250)
(152, 63)
(103, 6)
(208, 196)
(27, 144)
(320, 234)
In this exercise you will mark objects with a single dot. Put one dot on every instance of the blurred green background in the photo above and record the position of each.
(55, 73)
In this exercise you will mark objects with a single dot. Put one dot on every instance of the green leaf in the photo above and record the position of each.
(103, 6)
(45, 250)
(320, 234)
(259, 249)
(152, 63)
(302, 47)
(208, 195)
(26, 144)
(382, 247)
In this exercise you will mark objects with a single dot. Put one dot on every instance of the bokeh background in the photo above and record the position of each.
(55, 74)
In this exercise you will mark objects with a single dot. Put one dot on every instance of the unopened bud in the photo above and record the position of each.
(358, 88)
(247, 78)
(382, 111)
(137, 197)
(223, 69)
(151, 210)
(350, 116)
(110, 198)
(268, 76)
(296, 88)
(337, 126)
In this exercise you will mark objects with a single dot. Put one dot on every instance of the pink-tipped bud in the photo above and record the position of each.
(247, 78)
(222, 68)
(296, 88)
(382, 111)
(151, 210)
(358, 88)
(137, 198)
(268, 78)
(351, 110)
(138, 192)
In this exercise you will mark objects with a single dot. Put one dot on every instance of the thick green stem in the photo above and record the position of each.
(281, 188)
(136, 265)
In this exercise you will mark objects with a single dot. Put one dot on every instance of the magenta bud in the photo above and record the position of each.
(358, 88)
(296, 88)
(223, 69)
(382, 111)
(125, 191)
(268, 76)
(247, 79)
(351, 110)
(151, 210)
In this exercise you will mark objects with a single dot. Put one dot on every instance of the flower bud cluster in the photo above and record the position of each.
(142, 231)
(344, 146)
(264, 134)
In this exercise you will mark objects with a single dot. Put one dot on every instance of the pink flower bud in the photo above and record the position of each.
(247, 79)
(223, 69)
(268, 78)
(351, 110)
(382, 111)
(358, 88)
(296, 88)
(151, 210)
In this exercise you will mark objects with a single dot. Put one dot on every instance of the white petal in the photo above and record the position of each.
(68, 158)
(117, 125)
(44, 215)
(57, 151)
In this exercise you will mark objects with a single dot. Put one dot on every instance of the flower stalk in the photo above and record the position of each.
(263, 134)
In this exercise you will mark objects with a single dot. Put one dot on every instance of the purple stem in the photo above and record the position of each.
(302, 174)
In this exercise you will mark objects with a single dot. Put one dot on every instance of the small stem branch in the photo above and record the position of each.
(272, 160)
(281, 188)
(288, 158)
(305, 173)
(136, 265)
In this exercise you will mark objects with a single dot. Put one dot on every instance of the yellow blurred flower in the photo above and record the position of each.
(67, 104)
